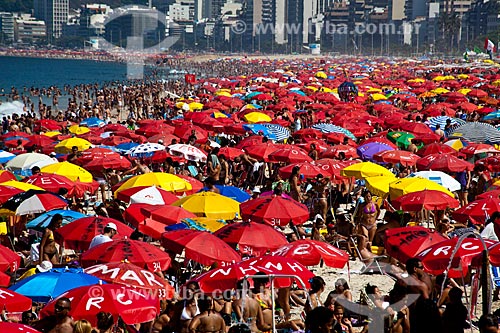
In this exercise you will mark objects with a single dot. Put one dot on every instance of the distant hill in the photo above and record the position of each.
(26, 6)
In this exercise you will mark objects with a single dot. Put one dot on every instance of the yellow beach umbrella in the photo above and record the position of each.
(365, 169)
(379, 185)
(417, 80)
(321, 75)
(374, 90)
(462, 76)
(223, 93)
(51, 134)
(496, 83)
(195, 106)
(211, 205)
(257, 117)
(427, 94)
(440, 91)
(166, 181)
(414, 184)
(439, 78)
(325, 89)
(456, 144)
(218, 114)
(464, 91)
(69, 170)
(64, 147)
(78, 130)
(378, 97)
(20, 185)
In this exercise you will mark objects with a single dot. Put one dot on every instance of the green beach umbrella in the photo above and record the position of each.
(401, 139)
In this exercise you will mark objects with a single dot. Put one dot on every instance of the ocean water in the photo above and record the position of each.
(22, 72)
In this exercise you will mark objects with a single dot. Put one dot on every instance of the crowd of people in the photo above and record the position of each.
(343, 213)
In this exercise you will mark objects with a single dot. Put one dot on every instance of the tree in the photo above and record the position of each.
(450, 24)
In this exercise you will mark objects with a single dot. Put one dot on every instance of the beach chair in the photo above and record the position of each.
(369, 268)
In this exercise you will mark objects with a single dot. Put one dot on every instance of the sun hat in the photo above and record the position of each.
(340, 211)
(111, 225)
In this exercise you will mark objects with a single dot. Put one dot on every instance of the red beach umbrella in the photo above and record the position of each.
(200, 246)
(231, 153)
(334, 151)
(78, 234)
(436, 148)
(136, 252)
(6, 192)
(127, 274)
(133, 306)
(274, 210)
(427, 199)
(262, 151)
(307, 169)
(310, 252)
(289, 154)
(405, 243)
(52, 182)
(251, 238)
(226, 277)
(443, 162)
(16, 327)
(9, 260)
(111, 162)
(14, 302)
(477, 211)
(167, 215)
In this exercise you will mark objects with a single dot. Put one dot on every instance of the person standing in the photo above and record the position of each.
(208, 321)
(48, 248)
(109, 232)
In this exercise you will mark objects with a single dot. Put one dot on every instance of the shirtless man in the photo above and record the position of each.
(248, 310)
(60, 322)
(208, 321)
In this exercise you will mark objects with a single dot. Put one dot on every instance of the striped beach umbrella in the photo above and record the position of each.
(477, 132)
(281, 133)
(441, 121)
(330, 128)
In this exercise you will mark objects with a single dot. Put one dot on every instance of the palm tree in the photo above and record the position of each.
(450, 24)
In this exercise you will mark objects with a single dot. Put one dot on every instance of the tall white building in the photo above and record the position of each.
(55, 14)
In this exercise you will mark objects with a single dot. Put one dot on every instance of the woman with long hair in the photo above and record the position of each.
(48, 249)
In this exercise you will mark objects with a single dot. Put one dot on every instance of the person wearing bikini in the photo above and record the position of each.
(48, 249)
(208, 321)
(367, 213)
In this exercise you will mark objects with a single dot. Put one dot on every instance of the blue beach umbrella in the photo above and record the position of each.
(42, 221)
(92, 122)
(125, 147)
(43, 287)
(232, 192)
(256, 128)
(5, 156)
(177, 226)
(330, 128)
(441, 121)
(492, 116)
(281, 133)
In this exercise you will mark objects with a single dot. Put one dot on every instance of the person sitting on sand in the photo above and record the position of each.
(208, 321)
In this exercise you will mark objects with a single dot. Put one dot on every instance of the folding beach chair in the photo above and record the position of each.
(369, 268)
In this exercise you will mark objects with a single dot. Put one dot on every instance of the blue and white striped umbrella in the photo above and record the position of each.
(477, 132)
(281, 133)
(145, 150)
(256, 128)
(5, 156)
(330, 128)
(441, 121)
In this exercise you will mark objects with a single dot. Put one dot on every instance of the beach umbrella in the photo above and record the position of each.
(379, 185)
(5, 176)
(9, 260)
(78, 130)
(202, 224)
(401, 139)
(127, 274)
(133, 306)
(310, 253)
(260, 129)
(274, 210)
(200, 246)
(256, 117)
(95, 153)
(147, 194)
(188, 152)
(134, 215)
(226, 278)
(53, 183)
(442, 121)
(65, 146)
(406, 242)
(210, 204)
(34, 201)
(367, 151)
(280, 133)
(439, 177)
(21, 186)
(414, 184)
(402, 157)
(78, 234)
(334, 151)
(93, 122)
(123, 148)
(7, 192)
(42, 287)
(435, 148)
(427, 199)
(364, 170)
(261, 151)
(479, 148)
(167, 215)
(69, 170)
(136, 252)
(166, 181)
(444, 162)
(491, 162)
(437, 257)
(145, 150)
(111, 162)
(492, 115)
(24, 161)
(231, 192)
(477, 132)
(251, 238)
(289, 154)
(5, 156)
(310, 171)
(330, 128)
(41, 222)
(12, 327)
(14, 302)
(477, 211)
(231, 153)
(46, 124)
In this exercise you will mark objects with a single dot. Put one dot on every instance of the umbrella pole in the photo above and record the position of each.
(486, 282)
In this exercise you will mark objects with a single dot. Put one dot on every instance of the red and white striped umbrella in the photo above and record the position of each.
(34, 201)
